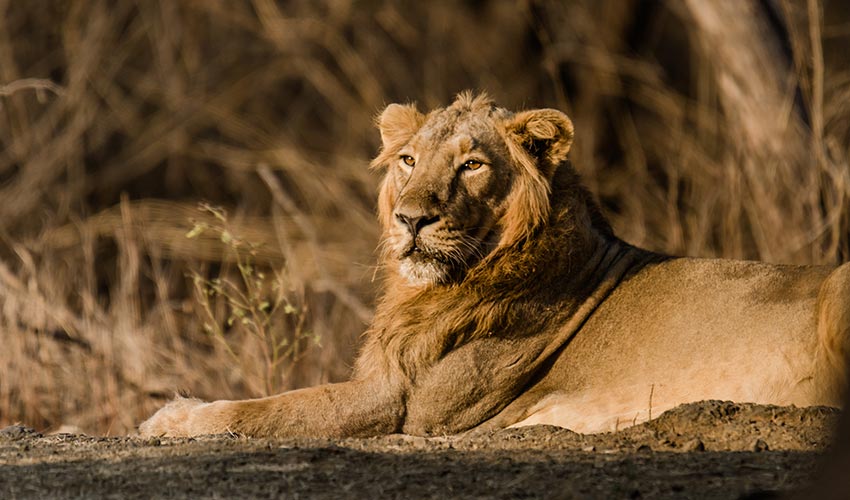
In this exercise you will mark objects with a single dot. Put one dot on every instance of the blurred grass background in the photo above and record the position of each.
(707, 128)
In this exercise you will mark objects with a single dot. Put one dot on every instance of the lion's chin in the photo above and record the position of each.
(424, 272)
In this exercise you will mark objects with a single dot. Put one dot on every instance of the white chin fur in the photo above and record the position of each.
(423, 273)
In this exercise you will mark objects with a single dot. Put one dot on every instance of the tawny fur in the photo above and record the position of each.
(508, 301)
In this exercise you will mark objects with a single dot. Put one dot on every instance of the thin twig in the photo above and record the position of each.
(37, 84)
(814, 14)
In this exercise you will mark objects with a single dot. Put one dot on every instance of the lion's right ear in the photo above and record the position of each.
(545, 134)
(398, 123)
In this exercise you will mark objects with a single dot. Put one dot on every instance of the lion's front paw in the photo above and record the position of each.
(172, 420)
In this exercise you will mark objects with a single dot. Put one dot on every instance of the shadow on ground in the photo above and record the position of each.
(704, 450)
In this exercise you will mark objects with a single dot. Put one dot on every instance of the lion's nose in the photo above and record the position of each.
(415, 223)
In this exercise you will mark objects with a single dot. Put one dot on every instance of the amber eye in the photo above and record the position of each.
(408, 160)
(472, 164)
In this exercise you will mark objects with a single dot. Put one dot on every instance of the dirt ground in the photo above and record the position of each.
(705, 450)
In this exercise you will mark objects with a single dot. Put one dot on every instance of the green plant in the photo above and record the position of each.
(259, 306)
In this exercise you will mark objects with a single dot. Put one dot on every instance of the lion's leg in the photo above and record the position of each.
(357, 408)
(833, 336)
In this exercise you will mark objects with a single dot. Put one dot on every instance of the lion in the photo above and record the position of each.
(508, 301)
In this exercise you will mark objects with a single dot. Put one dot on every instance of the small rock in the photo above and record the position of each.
(589, 448)
(644, 448)
(760, 445)
(694, 445)
(69, 430)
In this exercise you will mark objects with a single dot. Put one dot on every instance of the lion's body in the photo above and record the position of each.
(509, 302)
(706, 329)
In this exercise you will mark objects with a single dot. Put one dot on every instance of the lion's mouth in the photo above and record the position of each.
(416, 253)
(457, 256)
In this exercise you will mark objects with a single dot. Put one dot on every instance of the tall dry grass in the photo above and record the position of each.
(706, 128)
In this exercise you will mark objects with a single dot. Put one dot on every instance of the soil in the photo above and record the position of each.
(707, 450)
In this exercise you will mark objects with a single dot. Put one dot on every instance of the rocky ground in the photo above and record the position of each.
(704, 450)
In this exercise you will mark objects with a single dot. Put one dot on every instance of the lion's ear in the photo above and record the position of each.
(398, 123)
(546, 134)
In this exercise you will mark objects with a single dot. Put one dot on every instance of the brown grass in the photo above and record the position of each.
(706, 128)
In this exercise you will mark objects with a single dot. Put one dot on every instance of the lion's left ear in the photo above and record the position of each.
(546, 134)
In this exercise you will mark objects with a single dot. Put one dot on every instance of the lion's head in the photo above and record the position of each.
(464, 180)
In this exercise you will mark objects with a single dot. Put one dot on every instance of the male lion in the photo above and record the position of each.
(510, 302)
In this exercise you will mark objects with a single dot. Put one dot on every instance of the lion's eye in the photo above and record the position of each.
(472, 164)
(408, 160)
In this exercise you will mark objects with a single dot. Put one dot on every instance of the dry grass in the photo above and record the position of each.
(704, 128)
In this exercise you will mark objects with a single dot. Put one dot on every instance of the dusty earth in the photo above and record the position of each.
(705, 450)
